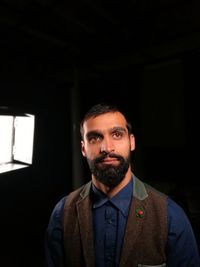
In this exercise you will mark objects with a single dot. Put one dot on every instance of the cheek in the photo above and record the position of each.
(91, 152)
(124, 146)
(124, 150)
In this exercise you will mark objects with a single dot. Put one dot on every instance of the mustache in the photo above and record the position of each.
(105, 155)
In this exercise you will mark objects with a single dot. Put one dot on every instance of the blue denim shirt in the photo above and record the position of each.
(109, 217)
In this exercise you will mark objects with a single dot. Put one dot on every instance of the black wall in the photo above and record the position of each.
(160, 98)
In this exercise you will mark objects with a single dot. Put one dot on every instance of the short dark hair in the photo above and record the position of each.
(103, 108)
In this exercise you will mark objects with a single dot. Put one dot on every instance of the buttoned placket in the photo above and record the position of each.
(110, 234)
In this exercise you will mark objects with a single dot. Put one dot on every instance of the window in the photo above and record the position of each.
(16, 141)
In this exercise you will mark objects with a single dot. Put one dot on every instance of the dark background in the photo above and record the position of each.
(58, 59)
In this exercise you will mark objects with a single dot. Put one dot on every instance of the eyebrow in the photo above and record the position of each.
(93, 133)
(118, 128)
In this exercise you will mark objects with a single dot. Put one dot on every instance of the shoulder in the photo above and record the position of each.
(152, 190)
(179, 225)
(78, 194)
(143, 190)
(68, 201)
(177, 216)
(182, 244)
(58, 209)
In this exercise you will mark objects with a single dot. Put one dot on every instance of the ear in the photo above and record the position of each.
(132, 141)
(83, 149)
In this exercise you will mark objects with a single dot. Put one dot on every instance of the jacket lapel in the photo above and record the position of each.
(84, 210)
(135, 221)
(132, 232)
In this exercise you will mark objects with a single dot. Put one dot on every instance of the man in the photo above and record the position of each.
(116, 219)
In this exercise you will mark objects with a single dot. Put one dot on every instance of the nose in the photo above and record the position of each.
(107, 145)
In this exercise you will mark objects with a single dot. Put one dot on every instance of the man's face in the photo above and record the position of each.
(106, 145)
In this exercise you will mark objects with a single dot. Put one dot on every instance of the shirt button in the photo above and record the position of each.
(110, 221)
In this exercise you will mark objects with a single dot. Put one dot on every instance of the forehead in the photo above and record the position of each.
(104, 122)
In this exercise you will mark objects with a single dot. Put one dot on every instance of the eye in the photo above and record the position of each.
(117, 135)
(94, 139)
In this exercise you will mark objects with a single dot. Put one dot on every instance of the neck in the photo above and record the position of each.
(110, 192)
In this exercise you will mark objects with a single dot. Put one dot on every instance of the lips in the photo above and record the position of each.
(109, 161)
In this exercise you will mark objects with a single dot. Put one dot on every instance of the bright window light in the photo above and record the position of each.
(23, 143)
(16, 141)
(6, 138)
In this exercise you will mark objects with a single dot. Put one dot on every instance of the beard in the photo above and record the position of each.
(108, 174)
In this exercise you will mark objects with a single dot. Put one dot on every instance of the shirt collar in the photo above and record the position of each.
(99, 198)
(121, 200)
